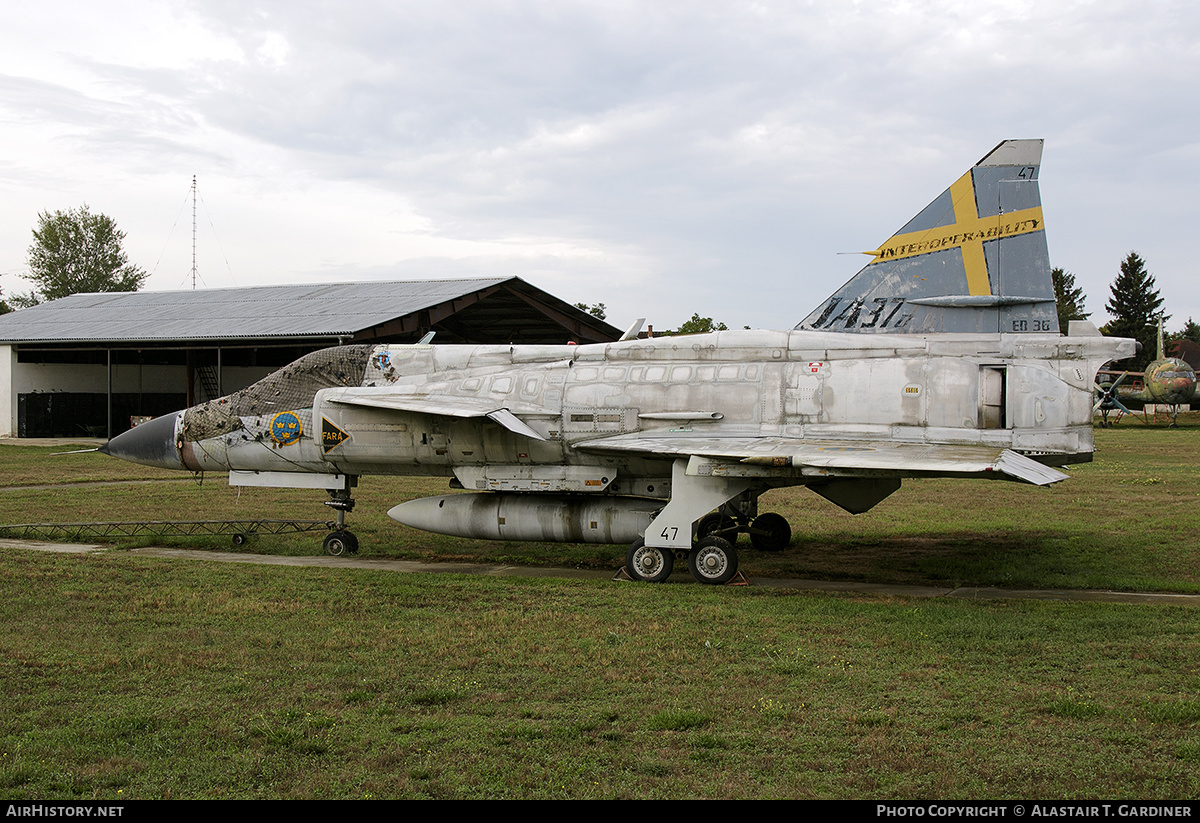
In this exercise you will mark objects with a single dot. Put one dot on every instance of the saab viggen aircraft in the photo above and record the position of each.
(941, 358)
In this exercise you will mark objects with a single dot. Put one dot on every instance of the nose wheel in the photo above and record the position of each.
(341, 542)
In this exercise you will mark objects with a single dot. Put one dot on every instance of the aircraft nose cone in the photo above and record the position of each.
(151, 444)
(1171, 381)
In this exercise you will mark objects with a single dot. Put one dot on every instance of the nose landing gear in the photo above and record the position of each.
(341, 541)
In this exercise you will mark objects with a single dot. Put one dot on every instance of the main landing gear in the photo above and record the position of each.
(769, 532)
(713, 560)
(701, 522)
(653, 565)
(713, 557)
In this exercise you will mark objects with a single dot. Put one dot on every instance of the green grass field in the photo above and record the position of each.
(128, 677)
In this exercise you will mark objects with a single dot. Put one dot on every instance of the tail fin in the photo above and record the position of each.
(973, 260)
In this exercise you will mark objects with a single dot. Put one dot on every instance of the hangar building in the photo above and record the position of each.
(86, 364)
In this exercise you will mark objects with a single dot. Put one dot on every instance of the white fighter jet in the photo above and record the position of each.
(941, 358)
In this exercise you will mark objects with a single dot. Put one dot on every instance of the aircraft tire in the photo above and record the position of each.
(340, 543)
(714, 561)
(770, 532)
(648, 564)
(719, 524)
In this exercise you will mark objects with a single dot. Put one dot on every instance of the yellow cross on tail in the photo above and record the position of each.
(968, 232)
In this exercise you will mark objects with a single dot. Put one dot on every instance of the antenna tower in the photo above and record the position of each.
(193, 232)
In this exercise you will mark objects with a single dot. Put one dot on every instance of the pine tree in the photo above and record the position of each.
(1134, 306)
(1191, 332)
(1069, 298)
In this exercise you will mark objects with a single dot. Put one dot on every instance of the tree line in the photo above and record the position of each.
(1135, 305)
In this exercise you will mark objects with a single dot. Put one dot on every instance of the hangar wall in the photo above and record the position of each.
(68, 377)
(8, 398)
(40, 399)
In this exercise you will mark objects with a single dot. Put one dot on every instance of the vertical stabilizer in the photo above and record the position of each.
(973, 260)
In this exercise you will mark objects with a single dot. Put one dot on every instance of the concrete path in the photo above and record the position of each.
(962, 593)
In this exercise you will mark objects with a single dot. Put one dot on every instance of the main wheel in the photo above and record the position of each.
(770, 532)
(340, 543)
(713, 561)
(652, 565)
(719, 524)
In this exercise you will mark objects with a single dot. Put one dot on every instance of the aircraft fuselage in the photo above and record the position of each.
(1024, 392)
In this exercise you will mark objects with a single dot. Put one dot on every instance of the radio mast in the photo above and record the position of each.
(194, 232)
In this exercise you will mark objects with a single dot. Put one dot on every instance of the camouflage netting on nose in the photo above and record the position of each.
(292, 387)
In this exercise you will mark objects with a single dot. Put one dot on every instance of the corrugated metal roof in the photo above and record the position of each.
(327, 309)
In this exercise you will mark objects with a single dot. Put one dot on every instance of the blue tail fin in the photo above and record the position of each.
(973, 260)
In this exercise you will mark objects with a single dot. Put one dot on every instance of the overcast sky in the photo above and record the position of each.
(663, 158)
